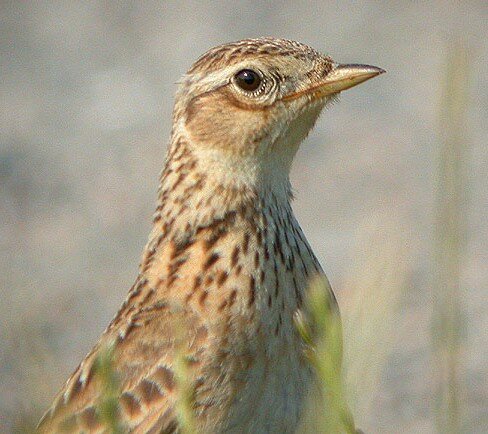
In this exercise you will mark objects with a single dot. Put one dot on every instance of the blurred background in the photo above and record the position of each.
(86, 98)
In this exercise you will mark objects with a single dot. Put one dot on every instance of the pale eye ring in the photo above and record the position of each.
(248, 80)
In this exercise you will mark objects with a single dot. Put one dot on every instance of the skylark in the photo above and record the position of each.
(227, 265)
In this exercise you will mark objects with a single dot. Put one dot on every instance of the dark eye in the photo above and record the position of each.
(248, 80)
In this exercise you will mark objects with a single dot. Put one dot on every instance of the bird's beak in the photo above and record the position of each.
(340, 78)
(343, 77)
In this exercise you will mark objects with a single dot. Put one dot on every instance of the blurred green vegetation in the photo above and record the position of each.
(320, 327)
(449, 242)
(184, 386)
(108, 405)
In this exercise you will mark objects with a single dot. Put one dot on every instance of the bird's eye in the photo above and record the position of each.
(248, 80)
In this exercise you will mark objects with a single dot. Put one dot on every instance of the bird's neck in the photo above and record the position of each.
(199, 186)
(202, 197)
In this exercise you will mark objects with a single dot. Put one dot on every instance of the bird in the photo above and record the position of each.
(226, 266)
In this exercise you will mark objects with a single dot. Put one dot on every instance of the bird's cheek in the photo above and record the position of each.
(214, 121)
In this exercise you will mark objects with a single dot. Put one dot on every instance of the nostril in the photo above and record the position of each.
(323, 67)
(329, 65)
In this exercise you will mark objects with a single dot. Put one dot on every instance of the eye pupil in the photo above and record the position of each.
(247, 79)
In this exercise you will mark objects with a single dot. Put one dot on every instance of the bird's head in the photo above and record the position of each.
(249, 104)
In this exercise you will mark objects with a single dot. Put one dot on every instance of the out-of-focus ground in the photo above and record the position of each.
(85, 104)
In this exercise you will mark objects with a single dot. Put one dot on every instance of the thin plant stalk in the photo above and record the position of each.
(108, 405)
(185, 411)
(321, 330)
(449, 242)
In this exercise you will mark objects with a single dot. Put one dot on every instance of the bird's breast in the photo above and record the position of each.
(244, 273)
